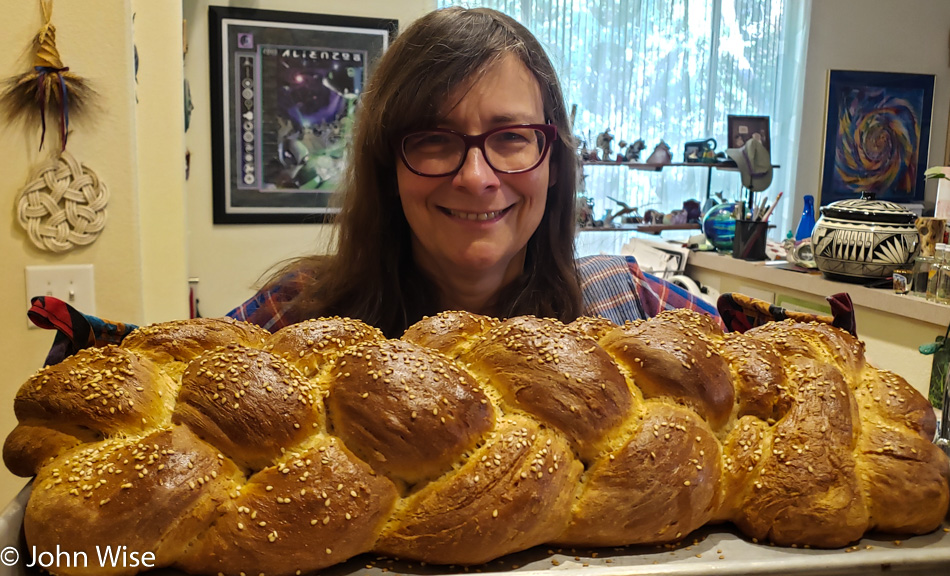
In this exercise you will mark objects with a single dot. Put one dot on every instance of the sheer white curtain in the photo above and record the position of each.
(674, 70)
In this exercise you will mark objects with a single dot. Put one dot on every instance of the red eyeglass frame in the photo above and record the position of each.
(549, 131)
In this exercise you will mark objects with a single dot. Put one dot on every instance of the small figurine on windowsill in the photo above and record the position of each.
(584, 152)
(633, 151)
(603, 142)
(620, 154)
(661, 154)
(585, 211)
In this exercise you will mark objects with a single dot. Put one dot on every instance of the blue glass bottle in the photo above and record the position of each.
(807, 222)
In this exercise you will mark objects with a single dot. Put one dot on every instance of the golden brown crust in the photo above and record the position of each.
(762, 390)
(452, 333)
(891, 398)
(904, 479)
(676, 356)
(815, 340)
(743, 449)
(658, 487)
(558, 375)
(153, 493)
(312, 510)
(247, 402)
(406, 410)
(513, 493)
(184, 340)
(467, 454)
(27, 447)
(594, 327)
(108, 390)
(806, 487)
(310, 345)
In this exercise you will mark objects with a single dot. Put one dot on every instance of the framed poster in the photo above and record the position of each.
(877, 135)
(284, 91)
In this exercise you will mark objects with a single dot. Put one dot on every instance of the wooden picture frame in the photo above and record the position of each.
(741, 128)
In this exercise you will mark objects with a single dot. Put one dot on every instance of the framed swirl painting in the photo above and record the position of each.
(877, 135)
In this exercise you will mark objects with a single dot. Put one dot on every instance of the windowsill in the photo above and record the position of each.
(883, 300)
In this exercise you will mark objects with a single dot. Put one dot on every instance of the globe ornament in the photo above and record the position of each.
(719, 225)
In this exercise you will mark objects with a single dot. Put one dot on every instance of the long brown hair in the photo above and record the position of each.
(372, 275)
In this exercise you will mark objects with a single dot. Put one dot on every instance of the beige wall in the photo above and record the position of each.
(229, 259)
(160, 147)
(873, 35)
(139, 257)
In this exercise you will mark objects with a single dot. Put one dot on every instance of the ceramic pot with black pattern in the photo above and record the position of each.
(864, 238)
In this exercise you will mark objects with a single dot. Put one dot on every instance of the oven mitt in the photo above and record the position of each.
(740, 312)
(74, 330)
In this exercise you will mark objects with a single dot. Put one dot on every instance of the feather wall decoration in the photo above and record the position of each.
(49, 86)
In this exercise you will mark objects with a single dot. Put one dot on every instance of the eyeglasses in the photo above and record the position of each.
(507, 149)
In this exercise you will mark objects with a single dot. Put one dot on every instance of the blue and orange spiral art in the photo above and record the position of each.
(878, 140)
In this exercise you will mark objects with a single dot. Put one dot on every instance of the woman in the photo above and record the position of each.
(459, 194)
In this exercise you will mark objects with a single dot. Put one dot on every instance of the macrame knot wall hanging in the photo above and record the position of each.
(63, 205)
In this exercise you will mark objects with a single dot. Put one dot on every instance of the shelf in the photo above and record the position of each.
(644, 228)
(727, 166)
(631, 165)
(880, 299)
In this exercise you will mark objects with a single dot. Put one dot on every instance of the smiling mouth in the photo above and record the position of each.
(477, 216)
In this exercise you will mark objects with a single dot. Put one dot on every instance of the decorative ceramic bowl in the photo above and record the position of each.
(864, 238)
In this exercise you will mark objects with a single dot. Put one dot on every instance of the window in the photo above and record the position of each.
(674, 70)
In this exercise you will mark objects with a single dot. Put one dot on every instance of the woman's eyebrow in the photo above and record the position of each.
(494, 121)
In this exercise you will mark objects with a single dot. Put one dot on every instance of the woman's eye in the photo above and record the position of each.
(429, 140)
(513, 136)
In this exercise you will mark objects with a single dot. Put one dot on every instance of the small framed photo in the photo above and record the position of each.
(284, 91)
(693, 152)
(742, 128)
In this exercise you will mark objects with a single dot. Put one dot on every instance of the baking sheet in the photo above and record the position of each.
(716, 550)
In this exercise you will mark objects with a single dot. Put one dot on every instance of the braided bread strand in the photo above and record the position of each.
(222, 448)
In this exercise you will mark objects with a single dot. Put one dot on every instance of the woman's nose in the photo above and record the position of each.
(475, 174)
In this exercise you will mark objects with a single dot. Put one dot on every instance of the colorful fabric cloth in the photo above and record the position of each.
(74, 330)
(267, 308)
(741, 312)
(613, 287)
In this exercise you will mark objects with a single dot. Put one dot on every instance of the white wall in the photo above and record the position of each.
(229, 259)
(872, 35)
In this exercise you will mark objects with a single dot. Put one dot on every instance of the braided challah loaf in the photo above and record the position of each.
(222, 448)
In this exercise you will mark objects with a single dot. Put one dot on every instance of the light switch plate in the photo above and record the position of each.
(73, 284)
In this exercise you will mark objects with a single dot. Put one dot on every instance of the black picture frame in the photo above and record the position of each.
(868, 112)
(741, 128)
(284, 89)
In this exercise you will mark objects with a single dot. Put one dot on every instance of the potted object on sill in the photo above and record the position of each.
(864, 238)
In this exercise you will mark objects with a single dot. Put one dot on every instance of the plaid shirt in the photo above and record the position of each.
(614, 287)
